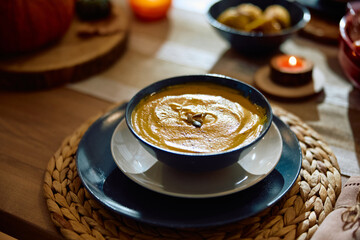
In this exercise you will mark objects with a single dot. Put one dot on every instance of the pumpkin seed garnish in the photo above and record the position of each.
(197, 124)
(196, 120)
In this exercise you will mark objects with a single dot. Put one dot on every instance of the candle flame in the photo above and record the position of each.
(292, 61)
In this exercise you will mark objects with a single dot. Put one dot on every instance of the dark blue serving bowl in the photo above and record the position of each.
(200, 161)
(257, 42)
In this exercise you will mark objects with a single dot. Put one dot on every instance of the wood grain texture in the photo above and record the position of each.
(32, 125)
(322, 30)
(4, 236)
(71, 59)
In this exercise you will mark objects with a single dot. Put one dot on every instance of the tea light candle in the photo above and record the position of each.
(150, 9)
(291, 70)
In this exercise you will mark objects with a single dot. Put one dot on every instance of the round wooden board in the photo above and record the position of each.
(322, 30)
(325, 18)
(71, 59)
(264, 83)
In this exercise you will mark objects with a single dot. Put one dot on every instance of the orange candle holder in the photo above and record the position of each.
(291, 70)
(150, 10)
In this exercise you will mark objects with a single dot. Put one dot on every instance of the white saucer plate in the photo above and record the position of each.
(137, 164)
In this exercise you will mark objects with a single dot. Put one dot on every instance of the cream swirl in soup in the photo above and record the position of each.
(198, 118)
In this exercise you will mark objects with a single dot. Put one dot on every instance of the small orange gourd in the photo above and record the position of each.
(27, 25)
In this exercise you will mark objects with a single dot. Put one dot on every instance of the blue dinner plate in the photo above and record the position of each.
(106, 182)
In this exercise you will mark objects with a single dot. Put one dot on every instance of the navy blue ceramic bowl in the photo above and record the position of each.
(200, 161)
(256, 42)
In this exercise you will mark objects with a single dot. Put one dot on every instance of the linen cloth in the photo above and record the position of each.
(344, 222)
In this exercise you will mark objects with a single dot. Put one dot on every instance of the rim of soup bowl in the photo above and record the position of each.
(180, 80)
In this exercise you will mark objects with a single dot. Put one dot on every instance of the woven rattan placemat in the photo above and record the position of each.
(296, 216)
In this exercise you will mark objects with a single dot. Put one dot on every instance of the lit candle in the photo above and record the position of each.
(150, 9)
(291, 70)
(290, 63)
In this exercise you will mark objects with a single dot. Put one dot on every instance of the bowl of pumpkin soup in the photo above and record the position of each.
(198, 122)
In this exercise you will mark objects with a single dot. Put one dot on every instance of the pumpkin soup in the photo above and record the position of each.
(198, 118)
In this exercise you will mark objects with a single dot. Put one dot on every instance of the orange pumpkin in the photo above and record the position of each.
(27, 25)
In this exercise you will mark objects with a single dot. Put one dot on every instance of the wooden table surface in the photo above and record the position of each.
(33, 124)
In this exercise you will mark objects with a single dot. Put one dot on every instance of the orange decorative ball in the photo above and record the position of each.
(150, 9)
